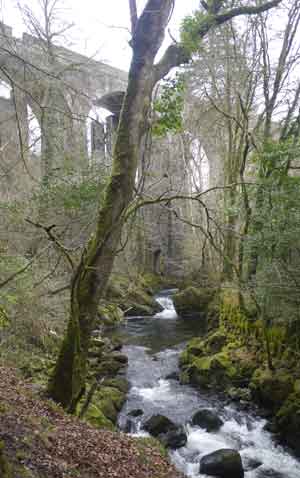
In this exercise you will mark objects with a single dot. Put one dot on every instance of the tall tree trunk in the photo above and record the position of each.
(91, 277)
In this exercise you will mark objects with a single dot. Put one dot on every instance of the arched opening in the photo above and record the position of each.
(101, 126)
(156, 261)
(96, 134)
(5, 90)
(7, 116)
(34, 133)
(199, 167)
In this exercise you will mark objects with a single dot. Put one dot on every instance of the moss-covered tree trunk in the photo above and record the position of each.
(92, 274)
(68, 381)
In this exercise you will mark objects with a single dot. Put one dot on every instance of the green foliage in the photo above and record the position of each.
(73, 193)
(169, 106)
(190, 28)
(275, 157)
(275, 231)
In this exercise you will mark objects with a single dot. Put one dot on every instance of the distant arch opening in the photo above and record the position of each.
(96, 134)
(34, 133)
(101, 126)
(156, 261)
(199, 167)
(5, 90)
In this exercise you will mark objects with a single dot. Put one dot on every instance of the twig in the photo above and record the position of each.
(54, 239)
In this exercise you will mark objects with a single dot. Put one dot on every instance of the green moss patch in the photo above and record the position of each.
(193, 300)
(271, 388)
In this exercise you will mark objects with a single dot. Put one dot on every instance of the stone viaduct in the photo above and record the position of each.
(61, 87)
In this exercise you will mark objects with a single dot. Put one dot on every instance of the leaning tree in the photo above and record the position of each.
(91, 276)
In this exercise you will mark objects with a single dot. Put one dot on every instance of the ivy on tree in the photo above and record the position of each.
(169, 106)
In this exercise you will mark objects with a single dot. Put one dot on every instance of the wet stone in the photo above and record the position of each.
(251, 463)
(136, 412)
(223, 463)
(208, 420)
(269, 473)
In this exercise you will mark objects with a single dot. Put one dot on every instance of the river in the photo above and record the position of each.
(153, 345)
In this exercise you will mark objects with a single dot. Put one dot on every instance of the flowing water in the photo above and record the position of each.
(153, 345)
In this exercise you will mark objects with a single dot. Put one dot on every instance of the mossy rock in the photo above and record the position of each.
(288, 421)
(134, 297)
(196, 348)
(98, 343)
(119, 357)
(199, 347)
(139, 310)
(139, 302)
(110, 314)
(96, 417)
(110, 401)
(215, 371)
(216, 341)
(119, 383)
(193, 301)
(112, 394)
(271, 388)
(108, 367)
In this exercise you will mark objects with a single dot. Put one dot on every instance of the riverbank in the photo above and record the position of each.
(234, 358)
(153, 346)
(39, 440)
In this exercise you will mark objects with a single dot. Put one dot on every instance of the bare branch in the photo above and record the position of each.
(54, 239)
(238, 11)
(177, 55)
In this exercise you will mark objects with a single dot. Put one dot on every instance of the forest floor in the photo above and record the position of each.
(39, 440)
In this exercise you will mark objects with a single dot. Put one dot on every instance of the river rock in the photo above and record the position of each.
(251, 463)
(208, 420)
(170, 434)
(119, 357)
(137, 412)
(173, 376)
(192, 300)
(174, 438)
(269, 473)
(224, 463)
(159, 424)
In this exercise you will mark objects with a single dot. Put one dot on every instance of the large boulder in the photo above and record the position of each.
(134, 298)
(158, 424)
(216, 370)
(192, 301)
(110, 315)
(224, 463)
(167, 432)
(110, 401)
(208, 420)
